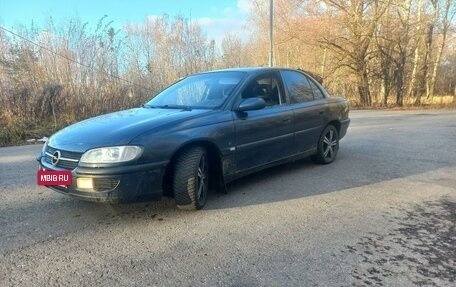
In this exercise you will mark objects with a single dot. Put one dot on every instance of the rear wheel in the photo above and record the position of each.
(328, 145)
(191, 179)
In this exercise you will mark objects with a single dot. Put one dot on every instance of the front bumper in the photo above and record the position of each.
(343, 128)
(115, 184)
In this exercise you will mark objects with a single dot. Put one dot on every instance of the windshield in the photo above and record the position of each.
(198, 91)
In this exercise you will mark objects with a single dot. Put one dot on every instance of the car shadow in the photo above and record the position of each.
(305, 178)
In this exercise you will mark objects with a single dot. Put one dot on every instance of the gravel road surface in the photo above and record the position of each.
(383, 214)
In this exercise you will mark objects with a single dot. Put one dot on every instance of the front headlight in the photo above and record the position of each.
(113, 154)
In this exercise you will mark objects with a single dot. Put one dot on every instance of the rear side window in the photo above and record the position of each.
(298, 86)
(316, 91)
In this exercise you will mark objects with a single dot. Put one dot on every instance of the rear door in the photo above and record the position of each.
(266, 135)
(309, 110)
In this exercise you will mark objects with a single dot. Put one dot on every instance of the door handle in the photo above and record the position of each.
(321, 112)
(286, 120)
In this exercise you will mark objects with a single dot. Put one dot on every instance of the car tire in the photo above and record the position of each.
(328, 146)
(191, 179)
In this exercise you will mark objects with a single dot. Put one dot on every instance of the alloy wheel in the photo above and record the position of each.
(329, 144)
(202, 177)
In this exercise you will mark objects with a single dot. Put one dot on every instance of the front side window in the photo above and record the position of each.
(199, 91)
(298, 86)
(265, 87)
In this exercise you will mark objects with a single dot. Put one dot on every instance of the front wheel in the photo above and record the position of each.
(191, 179)
(328, 145)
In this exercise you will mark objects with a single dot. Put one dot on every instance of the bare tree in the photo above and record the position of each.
(448, 10)
(359, 18)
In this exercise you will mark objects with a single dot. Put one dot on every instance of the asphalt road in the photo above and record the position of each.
(383, 214)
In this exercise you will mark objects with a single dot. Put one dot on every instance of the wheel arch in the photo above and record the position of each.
(215, 164)
(336, 124)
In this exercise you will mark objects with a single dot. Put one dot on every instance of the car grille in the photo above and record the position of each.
(65, 164)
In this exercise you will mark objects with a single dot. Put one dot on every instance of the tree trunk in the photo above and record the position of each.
(400, 86)
(323, 64)
(364, 89)
(435, 68)
(386, 88)
(438, 57)
(423, 81)
(416, 58)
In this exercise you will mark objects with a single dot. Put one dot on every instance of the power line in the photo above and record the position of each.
(70, 59)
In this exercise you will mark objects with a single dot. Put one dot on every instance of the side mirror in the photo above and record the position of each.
(251, 104)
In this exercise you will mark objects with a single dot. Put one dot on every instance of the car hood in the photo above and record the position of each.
(117, 128)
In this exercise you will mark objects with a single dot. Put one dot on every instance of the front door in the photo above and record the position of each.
(266, 135)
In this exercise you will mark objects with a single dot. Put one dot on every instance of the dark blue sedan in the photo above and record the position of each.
(200, 133)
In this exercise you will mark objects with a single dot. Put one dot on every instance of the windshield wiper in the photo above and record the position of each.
(183, 107)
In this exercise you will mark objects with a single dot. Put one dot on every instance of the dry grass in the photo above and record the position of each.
(15, 130)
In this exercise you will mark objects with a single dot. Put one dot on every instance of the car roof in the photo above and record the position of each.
(254, 70)
(249, 69)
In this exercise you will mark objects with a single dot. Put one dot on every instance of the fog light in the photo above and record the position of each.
(85, 183)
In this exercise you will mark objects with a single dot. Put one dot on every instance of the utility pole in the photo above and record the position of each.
(271, 39)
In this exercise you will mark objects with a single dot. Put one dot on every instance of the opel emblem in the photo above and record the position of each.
(55, 157)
